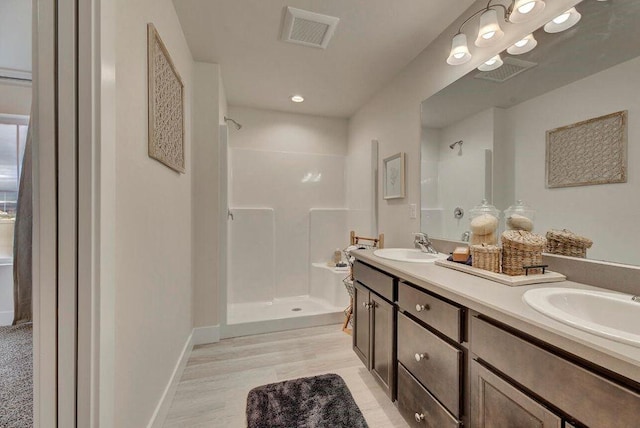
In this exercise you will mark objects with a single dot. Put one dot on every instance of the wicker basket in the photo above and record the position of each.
(567, 243)
(486, 257)
(519, 249)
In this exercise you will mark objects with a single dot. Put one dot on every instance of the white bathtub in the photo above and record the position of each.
(326, 283)
(6, 291)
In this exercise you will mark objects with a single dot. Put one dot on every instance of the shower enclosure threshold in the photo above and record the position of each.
(279, 314)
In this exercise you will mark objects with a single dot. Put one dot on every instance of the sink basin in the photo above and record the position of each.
(607, 314)
(408, 255)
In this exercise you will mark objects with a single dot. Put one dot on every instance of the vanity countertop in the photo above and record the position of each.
(505, 304)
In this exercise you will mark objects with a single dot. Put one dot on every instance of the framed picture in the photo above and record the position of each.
(165, 105)
(393, 176)
(590, 152)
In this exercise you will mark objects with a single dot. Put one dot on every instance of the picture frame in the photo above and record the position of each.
(393, 176)
(165, 102)
(588, 153)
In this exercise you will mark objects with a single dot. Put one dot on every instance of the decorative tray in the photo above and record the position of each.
(512, 281)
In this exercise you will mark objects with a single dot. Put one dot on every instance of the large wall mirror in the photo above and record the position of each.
(484, 136)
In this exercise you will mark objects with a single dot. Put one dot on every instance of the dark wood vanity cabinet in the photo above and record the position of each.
(530, 379)
(449, 366)
(496, 403)
(431, 359)
(374, 325)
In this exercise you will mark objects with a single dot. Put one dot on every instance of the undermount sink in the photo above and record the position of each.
(607, 314)
(408, 255)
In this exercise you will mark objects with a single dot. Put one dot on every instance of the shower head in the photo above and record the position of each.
(452, 146)
(236, 124)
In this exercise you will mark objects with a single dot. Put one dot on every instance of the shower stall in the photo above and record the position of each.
(286, 217)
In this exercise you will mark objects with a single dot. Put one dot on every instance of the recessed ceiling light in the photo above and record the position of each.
(297, 98)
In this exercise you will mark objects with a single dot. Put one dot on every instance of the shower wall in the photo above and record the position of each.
(283, 167)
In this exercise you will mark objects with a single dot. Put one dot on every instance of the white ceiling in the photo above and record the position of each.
(374, 40)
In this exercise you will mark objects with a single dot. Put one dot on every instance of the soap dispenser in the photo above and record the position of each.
(484, 224)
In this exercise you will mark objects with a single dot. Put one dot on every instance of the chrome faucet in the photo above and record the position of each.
(423, 242)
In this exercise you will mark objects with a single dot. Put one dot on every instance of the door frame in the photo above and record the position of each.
(44, 249)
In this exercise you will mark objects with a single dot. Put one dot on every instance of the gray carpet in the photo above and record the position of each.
(16, 376)
(311, 402)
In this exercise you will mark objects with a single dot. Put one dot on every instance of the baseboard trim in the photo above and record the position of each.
(6, 317)
(205, 335)
(162, 410)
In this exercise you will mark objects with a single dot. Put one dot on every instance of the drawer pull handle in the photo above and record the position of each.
(367, 305)
(419, 417)
(420, 357)
(421, 308)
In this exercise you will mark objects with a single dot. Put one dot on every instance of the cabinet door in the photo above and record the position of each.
(362, 321)
(497, 404)
(382, 346)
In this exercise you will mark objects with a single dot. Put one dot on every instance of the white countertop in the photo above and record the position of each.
(505, 304)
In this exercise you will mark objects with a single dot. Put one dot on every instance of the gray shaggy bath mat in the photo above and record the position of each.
(16, 376)
(310, 402)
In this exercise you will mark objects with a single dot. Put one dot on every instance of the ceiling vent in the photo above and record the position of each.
(510, 69)
(308, 28)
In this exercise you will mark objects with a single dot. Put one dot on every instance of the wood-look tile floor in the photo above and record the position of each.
(214, 386)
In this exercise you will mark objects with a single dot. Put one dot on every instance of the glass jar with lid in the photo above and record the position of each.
(484, 224)
(519, 216)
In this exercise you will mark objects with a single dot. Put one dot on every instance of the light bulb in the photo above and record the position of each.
(527, 7)
(521, 43)
(491, 64)
(563, 22)
(562, 18)
(297, 98)
(488, 35)
(524, 10)
(524, 45)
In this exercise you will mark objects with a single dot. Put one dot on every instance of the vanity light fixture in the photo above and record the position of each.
(297, 98)
(522, 46)
(489, 29)
(492, 64)
(524, 10)
(563, 22)
(459, 50)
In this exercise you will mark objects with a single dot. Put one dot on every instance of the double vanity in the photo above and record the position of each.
(452, 349)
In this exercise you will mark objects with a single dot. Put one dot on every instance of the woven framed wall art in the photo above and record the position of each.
(165, 105)
(590, 152)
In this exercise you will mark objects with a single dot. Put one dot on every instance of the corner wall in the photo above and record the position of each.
(153, 306)
(15, 99)
(209, 110)
(392, 117)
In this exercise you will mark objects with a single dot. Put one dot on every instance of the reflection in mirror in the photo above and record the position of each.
(502, 116)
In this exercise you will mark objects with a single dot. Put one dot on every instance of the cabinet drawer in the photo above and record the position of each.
(435, 363)
(417, 405)
(374, 279)
(585, 395)
(443, 316)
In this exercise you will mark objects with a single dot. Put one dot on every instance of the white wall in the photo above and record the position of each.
(15, 35)
(209, 110)
(605, 213)
(392, 117)
(153, 222)
(15, 99)
(270, 157)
